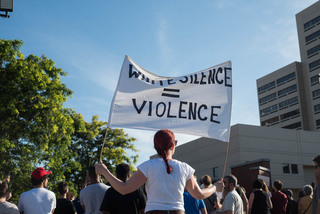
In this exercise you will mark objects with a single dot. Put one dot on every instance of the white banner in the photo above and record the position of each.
(195, 104)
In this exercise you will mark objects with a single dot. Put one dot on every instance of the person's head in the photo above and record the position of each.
(230, 182)
(63, 188)
(122, 171)
(70, 196)
(257, 184)
(4, 189)
(316, 162)
(164, 140)
(39, 177)
(239, 191)
(277, 185)
(92, 175)
(301, 194)
(200, 181)
(289, 193)
(307, 189)
(206, 179)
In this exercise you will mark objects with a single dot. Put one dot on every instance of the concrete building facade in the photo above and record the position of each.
(290, 97)
(290, 153)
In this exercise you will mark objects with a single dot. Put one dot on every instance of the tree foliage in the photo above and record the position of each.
(88, 153)
(36, 130)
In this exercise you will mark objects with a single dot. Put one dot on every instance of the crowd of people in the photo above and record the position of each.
(160, 186)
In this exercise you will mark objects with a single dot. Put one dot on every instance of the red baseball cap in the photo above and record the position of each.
(39, 173)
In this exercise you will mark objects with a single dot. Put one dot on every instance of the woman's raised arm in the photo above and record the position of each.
(134, 182)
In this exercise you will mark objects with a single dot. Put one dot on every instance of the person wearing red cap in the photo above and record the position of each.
(165, 179)
(38, 200)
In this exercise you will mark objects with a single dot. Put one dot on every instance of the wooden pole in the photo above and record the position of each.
(225, 161)
(104, 140)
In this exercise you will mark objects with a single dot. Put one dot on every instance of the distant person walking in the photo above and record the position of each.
(259, 200)
(64, 205)
(292, 206)
(5, 206)
(92, 195)
(241, 191)
(304, 205)
(116, 203)
(232, 202)
(192, 205)
(212, 202)
(279, 199)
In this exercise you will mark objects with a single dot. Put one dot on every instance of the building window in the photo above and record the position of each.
(314, 65)
(288, 102)
(288, 90)
(269, 110)
(314, 80)
(313, 50)
(286, 78)
(316, 93)
(318, 124)
(311, 23)
(270, 122)
(215, 172)
(290, 114)
(286, 168)
(267, 98)
(316, 108)
(266, 87)
(313, 36)
(293, 126)
(294, 169)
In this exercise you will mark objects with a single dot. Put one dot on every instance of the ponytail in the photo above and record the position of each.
(163, 141)
(169, 168)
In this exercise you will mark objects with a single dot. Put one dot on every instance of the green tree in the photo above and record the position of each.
(32, 118)
(36, 130)
(88, 145)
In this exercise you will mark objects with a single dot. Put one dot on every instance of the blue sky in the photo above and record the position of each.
(89, 40)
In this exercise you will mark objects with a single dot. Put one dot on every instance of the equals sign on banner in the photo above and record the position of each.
(168, 92)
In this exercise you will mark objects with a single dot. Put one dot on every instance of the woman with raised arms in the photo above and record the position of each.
(165, 179)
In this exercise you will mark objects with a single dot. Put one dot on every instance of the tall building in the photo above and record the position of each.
(290, 97)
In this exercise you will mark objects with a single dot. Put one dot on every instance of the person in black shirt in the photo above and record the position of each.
(116, 203)
(292, 206)
(64, 205)
(259, 200)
